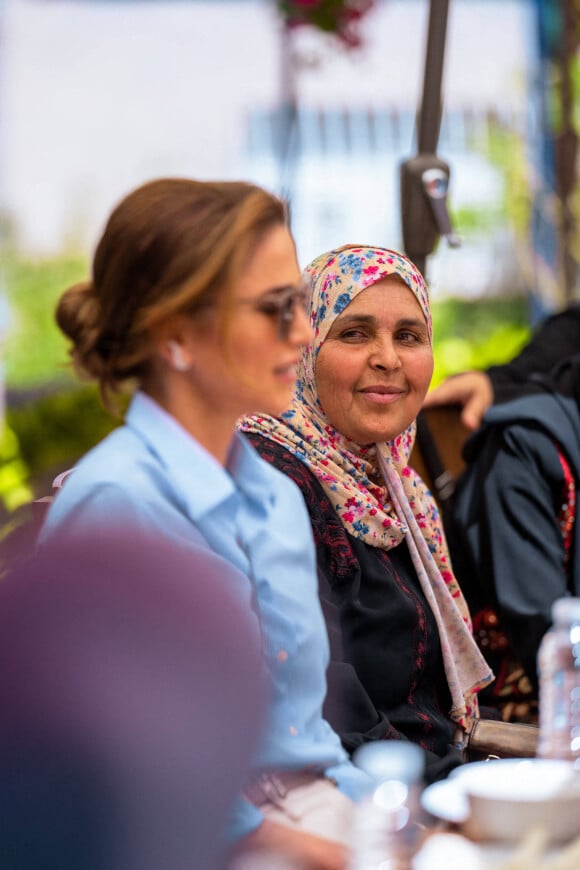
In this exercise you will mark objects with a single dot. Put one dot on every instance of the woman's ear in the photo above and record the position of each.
(173, 347)
(176, 356)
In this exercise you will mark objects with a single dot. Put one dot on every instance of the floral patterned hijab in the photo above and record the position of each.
(379, 498)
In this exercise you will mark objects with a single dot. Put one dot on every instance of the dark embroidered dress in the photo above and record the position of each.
(386, 678)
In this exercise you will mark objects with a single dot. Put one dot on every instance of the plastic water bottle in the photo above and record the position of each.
(559, 678)
(385, 831)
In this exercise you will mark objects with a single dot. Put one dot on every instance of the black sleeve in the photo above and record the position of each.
(557, 339)
(347, 706)
(520, 551)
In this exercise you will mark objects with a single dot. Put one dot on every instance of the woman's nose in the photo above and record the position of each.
(384, 356)
(301, 332)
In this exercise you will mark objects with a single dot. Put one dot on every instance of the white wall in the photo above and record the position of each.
(98, 97)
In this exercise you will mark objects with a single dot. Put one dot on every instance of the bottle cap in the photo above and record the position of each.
(565, 610)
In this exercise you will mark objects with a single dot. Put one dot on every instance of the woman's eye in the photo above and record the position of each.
(353, 335)
(269, 308)
(409, 337)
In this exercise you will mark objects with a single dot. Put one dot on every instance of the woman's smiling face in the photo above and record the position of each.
(375, 366)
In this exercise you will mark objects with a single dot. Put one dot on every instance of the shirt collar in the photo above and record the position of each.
(202, 482)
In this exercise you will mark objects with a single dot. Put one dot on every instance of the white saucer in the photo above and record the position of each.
(446, 800)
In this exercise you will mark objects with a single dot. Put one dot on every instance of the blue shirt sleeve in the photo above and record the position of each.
(90, 508)
(245, 818)
(351, 780)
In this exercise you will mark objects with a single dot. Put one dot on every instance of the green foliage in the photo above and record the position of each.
(506, 150)
(477, 334)
(14, 473)
(33, 354)
(473, 220)
(35, 350)
(55, 430)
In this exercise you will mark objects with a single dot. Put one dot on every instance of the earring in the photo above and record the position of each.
(177, 359)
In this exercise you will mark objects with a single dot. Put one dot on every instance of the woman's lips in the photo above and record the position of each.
(287, 373)
(382, 395)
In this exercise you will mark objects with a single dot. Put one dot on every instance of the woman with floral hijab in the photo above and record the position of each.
(404, 663)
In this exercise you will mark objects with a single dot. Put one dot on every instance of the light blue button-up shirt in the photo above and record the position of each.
(151, 475)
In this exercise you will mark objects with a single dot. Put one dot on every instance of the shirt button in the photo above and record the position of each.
(293, 730)
(282, 655)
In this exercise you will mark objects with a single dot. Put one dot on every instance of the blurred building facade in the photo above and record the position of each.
(96, 97)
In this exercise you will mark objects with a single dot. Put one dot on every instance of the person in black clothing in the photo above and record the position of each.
(516, 503)
(514, 537)
(403, 661)
(557, 339)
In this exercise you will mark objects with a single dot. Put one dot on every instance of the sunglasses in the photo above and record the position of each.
(281, 305)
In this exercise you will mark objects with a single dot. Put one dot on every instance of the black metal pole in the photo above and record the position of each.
(286, 131)
(420, 224)
(430, 110)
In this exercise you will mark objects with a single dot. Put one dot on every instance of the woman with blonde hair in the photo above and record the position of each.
(404, 664)
(195, 301)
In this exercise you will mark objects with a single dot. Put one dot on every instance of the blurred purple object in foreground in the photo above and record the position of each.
(131, 703)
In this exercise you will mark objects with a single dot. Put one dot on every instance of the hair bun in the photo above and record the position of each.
(77, 315)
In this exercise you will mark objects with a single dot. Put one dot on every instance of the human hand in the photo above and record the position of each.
(472, 390)
(301, 849)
